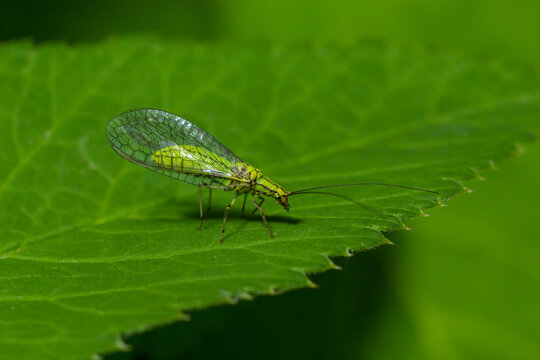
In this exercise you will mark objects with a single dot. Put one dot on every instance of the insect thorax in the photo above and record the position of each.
(252, 179)
(247, 178)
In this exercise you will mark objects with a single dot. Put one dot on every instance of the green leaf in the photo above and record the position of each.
(468, 285)
(94, 246)
(462, 285)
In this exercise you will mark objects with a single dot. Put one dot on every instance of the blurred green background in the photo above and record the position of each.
(464, 283)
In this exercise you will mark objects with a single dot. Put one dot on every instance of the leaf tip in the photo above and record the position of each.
(272, 290)
(386, 241)
(232, 300)
(120, 345)
(183, 316)
(245, 296)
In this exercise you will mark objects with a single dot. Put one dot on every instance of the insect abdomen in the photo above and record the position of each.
(189, 159)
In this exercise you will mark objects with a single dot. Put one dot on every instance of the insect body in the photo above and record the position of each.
(173, 146)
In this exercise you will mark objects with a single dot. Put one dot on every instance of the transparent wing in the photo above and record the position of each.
(139, 134)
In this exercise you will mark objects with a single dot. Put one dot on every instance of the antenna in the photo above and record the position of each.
(297, 192)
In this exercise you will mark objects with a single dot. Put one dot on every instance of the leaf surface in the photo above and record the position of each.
(94, 246)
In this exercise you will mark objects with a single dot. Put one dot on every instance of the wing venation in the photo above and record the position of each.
(172, 146)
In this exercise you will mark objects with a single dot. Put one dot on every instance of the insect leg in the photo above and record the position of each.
(209, 198)
(225, 216)
(200, 207)
(258, 206)
(254, 210)
(244, 205)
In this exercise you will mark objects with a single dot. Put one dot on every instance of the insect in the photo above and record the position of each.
(173, 146)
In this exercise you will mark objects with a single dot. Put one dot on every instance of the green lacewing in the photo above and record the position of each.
(173, 146)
